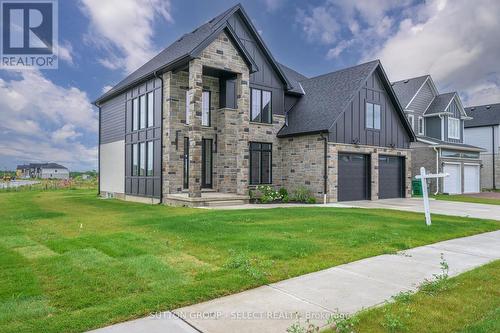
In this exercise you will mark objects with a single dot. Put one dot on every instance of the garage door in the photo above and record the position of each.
(390, 177)
(452, 183)
(471, 178)
(354, 177)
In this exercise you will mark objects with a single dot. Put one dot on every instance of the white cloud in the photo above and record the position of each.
(42, 121)
(65, 51)
(124, 29)
(455, 41)
(319, 25)
(272, 5)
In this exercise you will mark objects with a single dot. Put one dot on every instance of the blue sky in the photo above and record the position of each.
(47, 115)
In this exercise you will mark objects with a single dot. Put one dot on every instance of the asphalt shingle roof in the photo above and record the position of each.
(483, 115)
(440, 103)
(449, 144)
(294, 77)
(326, 97)
(406, 89)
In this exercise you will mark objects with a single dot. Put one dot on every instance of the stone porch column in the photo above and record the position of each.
(242, 156)
(333, 173)
(195, 135)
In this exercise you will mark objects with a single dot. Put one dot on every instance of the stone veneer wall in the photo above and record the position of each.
(303, 165)
(424, 156)
(230, 158)
(487, 171)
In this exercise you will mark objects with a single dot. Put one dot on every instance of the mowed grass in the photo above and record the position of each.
(466, 198)
(468, 303)
(71, 262)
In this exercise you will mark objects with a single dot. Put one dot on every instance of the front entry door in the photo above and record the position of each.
(206, 163)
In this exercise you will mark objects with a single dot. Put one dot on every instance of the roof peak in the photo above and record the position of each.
(344, 69)
(409, 79)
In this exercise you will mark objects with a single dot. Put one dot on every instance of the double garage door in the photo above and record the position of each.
(453, 183)
(354, 177)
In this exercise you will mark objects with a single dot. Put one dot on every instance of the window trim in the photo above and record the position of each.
(457, 122)
(261, 106)
(209, 108)
(261, 150)
(373, 128)
(412, 122)
(421, 130)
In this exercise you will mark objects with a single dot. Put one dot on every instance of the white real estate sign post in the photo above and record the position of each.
(424, 176)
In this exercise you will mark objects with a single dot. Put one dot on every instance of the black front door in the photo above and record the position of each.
(206, 163)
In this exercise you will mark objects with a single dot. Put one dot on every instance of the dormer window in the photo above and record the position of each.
(454, 128)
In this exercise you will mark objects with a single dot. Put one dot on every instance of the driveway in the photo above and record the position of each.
(465, 209)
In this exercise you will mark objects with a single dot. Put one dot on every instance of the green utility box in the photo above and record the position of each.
(416, 187)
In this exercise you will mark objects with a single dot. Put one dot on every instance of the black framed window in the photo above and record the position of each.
(149, 170)
(142, 158)
(135, 160)
(151, 101)
(142, 112)
(261, 106)
(205, 108)
(135, 114)
(260, 163)
(206, 167)
(373, 115)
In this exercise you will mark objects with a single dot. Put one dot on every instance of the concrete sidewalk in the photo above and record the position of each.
(346, 288)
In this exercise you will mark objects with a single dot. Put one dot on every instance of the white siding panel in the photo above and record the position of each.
(480, 137)
(112, 167)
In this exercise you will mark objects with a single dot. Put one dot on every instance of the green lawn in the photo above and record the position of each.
(468, 303)
(465, 198)
(71, 262)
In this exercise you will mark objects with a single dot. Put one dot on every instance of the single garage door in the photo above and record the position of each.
(452, 183)
(390, 177)
(354, 177)
(471, 178)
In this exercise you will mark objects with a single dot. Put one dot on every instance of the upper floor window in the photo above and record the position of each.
(420, 125)
(143, 111)
(453, 128)
(188, 111)
(411, 120)
(205, 108)
(373, 116)
(260, 106)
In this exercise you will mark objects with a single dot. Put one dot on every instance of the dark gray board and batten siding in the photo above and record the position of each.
(350, 127)
(455, 111)
(144, 186)
(266, 77)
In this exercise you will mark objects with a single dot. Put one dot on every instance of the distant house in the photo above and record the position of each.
(484, 131)
(42, 170)
(439, 120)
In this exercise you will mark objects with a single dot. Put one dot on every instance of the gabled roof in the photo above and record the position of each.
(407, 89)
(327, 96)
(483, 115)
(444, 144)
(191, 45)
(440, 103)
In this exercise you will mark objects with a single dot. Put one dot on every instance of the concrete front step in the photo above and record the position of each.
(224, 203)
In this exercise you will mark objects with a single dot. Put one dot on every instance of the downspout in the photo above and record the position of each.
(99, 154)
(325, 171)
(437, 169)
(494, 157)
(161, 135)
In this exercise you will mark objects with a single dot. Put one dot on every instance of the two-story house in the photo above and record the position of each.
(214, 115)
(484, 131)
(438, 120)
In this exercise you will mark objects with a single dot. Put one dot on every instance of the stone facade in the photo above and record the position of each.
(304, 165)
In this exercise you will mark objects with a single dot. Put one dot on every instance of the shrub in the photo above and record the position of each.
(284, 194)
(303, 194)
(268, 194)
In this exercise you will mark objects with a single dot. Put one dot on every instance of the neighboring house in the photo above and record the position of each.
(42, 170)
(214, 115)
(484, 131)
(438, 120)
